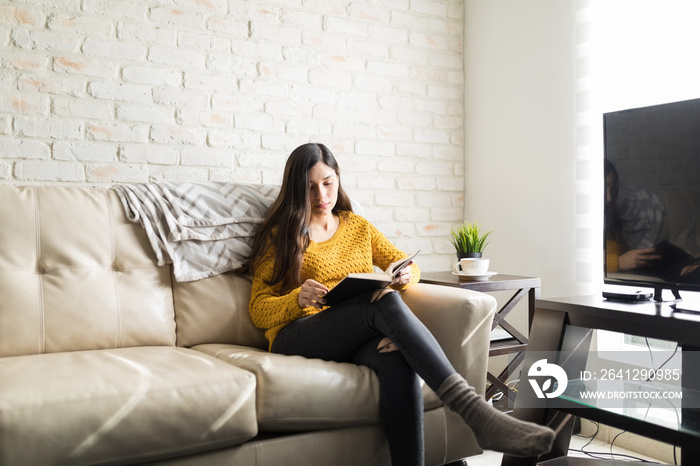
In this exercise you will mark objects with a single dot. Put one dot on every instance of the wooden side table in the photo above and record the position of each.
(523, 286)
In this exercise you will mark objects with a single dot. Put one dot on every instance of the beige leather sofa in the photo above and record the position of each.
(104, 358)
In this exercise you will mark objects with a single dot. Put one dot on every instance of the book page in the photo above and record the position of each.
(400, 265)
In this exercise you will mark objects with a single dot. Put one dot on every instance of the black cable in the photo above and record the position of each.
(612, 455)
(592, 437)
(605, 455)
(675, 350)
(651, 356)
(675, 459)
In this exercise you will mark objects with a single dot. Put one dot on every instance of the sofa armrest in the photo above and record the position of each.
(460, 320)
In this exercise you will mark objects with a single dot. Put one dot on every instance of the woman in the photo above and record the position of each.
(664, 260)
(309, 241)
(618, 256)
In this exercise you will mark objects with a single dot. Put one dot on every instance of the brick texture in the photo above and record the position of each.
(98, 92)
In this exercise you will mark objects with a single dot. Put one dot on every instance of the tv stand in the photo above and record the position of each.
(685, 310)
(659, 290)
(565, 325)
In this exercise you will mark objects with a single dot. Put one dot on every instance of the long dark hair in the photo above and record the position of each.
(286, 227)
(613, 221)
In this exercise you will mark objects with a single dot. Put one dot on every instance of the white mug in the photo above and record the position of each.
(472, 265)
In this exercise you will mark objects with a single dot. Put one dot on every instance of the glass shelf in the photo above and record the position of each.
(649, 408)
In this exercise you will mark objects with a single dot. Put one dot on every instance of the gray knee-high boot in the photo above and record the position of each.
(493, 429)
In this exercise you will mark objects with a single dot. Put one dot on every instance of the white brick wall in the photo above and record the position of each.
(108, 91)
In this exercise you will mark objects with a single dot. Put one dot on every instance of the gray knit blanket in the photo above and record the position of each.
(203, 228)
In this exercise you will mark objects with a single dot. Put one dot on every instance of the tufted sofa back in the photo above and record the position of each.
(215, 310)
(76, 274)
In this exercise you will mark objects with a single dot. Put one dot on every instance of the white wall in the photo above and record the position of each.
(539, 74)
(107, 91)
(520, 163)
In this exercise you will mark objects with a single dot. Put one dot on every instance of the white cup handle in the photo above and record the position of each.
(457, 267)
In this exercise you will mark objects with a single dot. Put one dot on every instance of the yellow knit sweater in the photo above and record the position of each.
(613, 251)
(356, 247)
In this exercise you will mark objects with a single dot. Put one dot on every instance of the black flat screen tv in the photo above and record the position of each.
(652, 201)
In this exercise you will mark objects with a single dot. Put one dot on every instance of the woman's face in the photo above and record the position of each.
(323, 189)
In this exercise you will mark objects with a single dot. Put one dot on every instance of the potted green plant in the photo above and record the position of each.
(469, 241)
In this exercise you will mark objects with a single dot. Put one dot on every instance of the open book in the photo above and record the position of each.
(357, 283)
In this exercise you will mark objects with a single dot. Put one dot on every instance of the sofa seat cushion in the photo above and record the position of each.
(121, 405)
(295, 393)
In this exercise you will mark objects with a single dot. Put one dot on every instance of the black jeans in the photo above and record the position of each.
(350, 332)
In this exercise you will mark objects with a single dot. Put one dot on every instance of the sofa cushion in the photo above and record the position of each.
(76, 274)
(296, 393)
(121, 405)
(215, 310)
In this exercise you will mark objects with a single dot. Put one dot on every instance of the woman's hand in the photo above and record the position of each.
(404, 276)
(638, 258)
(311, 294)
